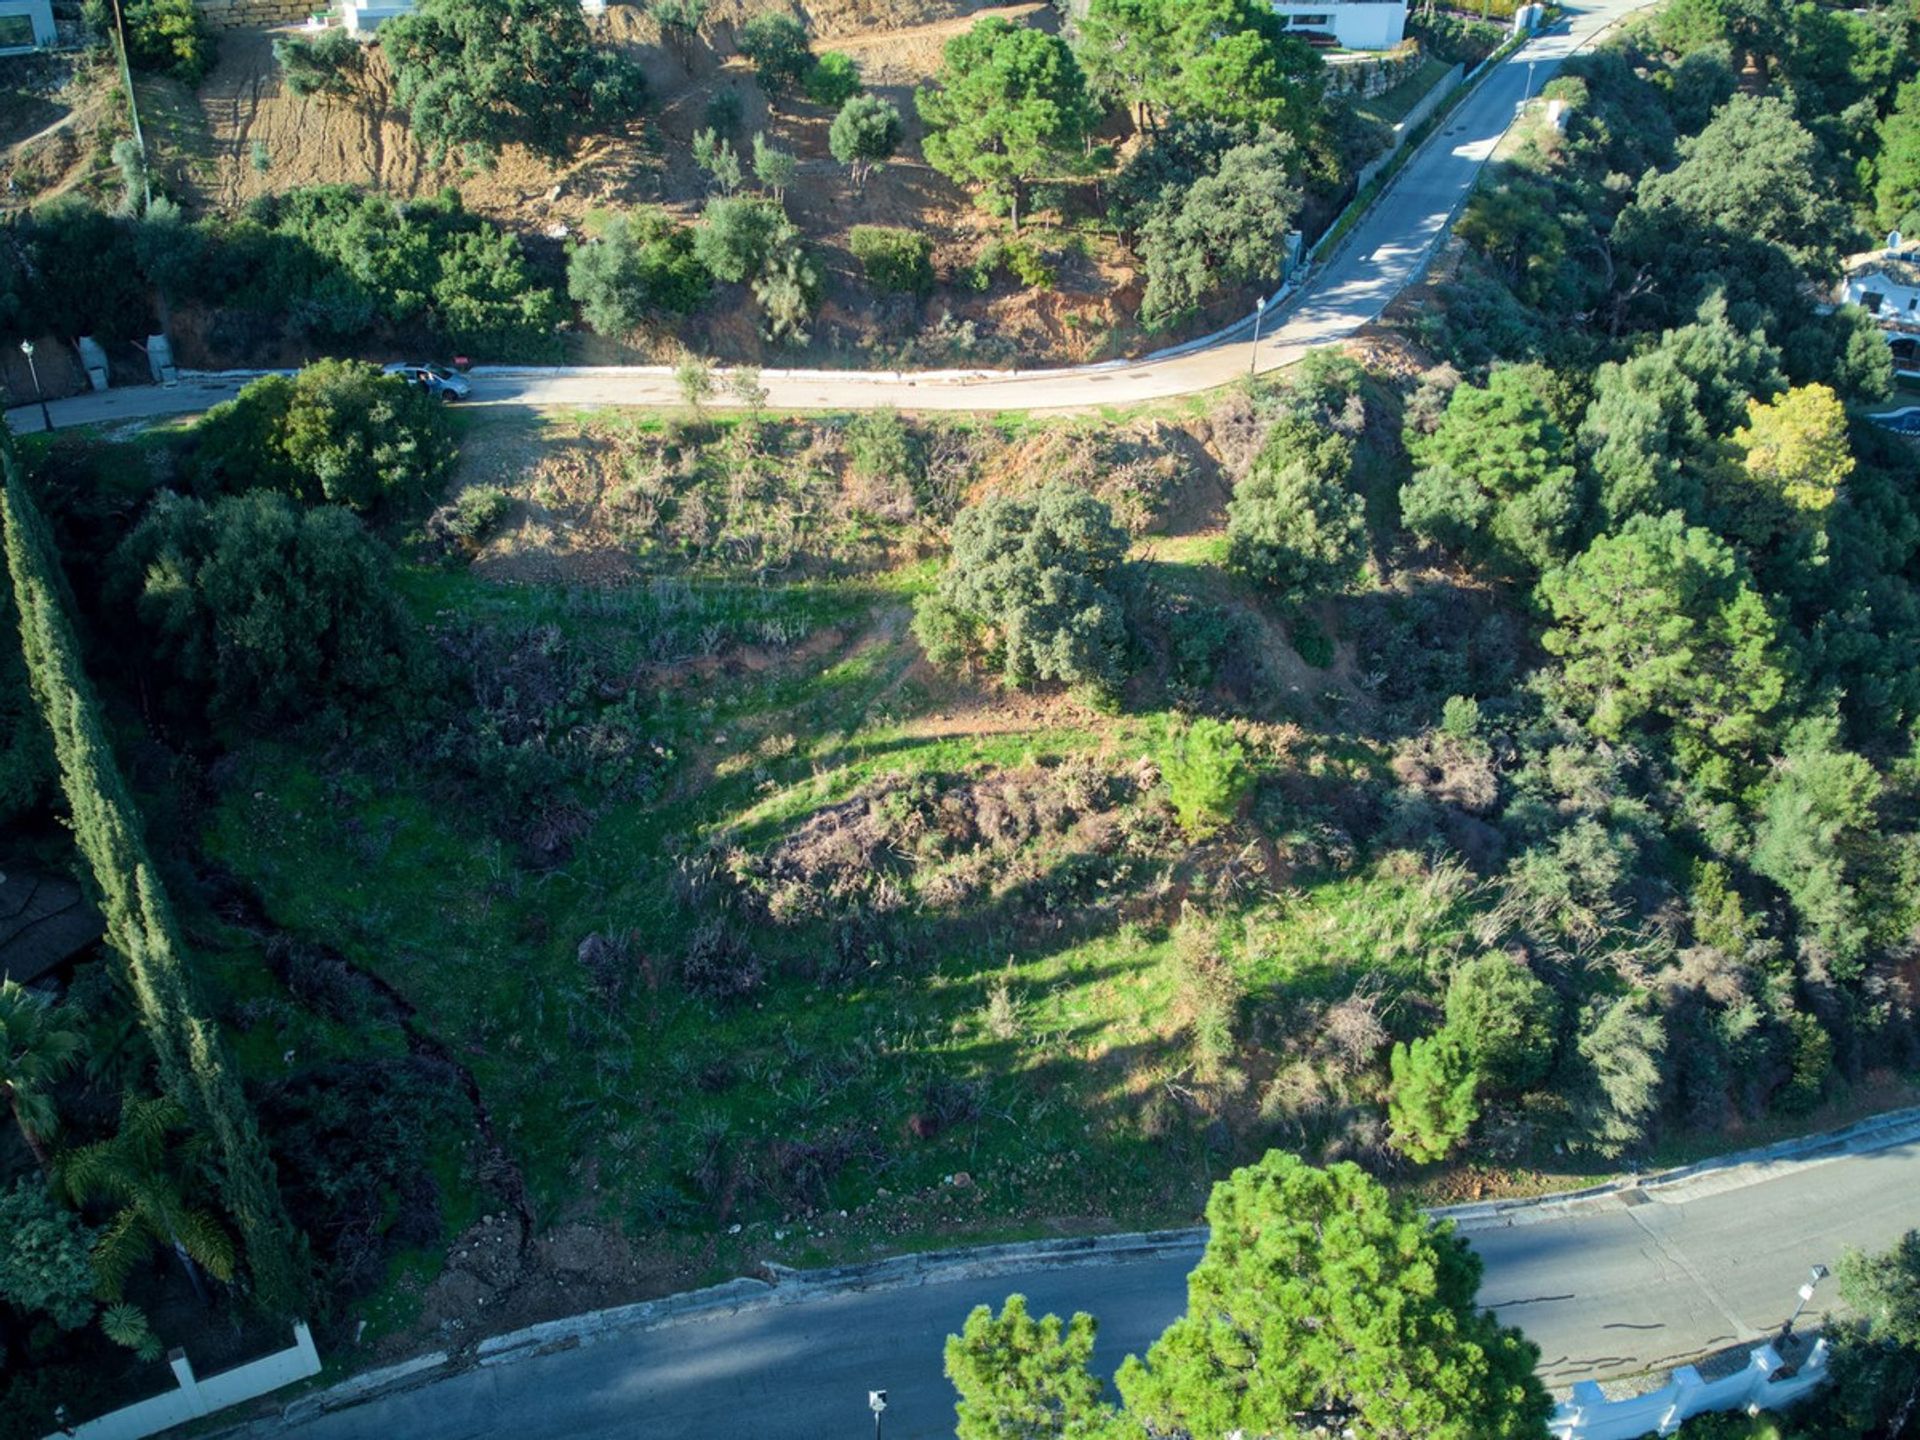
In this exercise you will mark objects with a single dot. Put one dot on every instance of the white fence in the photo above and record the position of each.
(1591, 1416)
(196, 1397)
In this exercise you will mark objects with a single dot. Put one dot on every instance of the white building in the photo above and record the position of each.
(1886, 284)
(25, 25)
(1350, 24)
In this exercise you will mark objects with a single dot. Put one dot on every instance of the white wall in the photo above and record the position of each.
(1589, 1415)
(195, 1397)
(1356, 24)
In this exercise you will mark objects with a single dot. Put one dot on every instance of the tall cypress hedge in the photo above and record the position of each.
(194, 1066)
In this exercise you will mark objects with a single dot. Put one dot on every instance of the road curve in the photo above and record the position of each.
(1630, 1282)
(1387, 251)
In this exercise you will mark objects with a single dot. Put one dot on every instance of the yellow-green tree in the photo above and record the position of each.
(1795, 446)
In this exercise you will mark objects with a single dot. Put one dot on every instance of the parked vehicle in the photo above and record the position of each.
(438, 380)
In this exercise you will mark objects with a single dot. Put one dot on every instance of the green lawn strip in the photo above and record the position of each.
(1390, 107)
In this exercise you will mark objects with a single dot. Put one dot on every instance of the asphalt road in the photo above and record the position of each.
(1611, 1289)
(1386, 251)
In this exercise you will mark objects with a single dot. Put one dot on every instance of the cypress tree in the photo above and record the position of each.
(140, 924)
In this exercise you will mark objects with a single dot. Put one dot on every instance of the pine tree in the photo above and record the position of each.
(1324, 1305)
(1020, 1378)
(140, 924)
(1432, 1104)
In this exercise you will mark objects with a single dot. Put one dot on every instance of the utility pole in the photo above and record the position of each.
(1819, 1273)
(46, 415)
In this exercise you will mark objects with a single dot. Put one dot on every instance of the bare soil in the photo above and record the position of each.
(244, 136)
(59, 117)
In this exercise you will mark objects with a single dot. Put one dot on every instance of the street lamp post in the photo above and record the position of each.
(1530, 65)
(877, 1402)
(46, 415)
(1815, 1276)
(1253, 360)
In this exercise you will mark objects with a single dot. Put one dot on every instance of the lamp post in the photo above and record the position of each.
(1815, 1276)
(877, 1402)
(1530, 65)
(1253, 360)
(46, 415)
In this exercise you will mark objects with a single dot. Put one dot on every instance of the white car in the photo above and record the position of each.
(437, 380)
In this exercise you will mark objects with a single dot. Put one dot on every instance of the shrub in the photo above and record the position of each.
(264, 609)
(1207, 995)
(880, 447)
(718, 964)
(1432, 1105)
(171, 37)
(339, 432)
(1205, 767)
(777, 46)
(44, 1266)
(894, 259)
(329, 64)
(833, 80)
(1029, 590)
(1293, 523)
(735, 237)
(637, 266)
(1506, 1019)
(788, 290)
(724, 111)
(476, 513)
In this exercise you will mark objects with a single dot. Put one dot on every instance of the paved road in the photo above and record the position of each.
(1607, 1290)
(1386, 252)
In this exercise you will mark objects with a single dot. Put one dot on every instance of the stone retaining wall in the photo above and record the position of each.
(256, 14)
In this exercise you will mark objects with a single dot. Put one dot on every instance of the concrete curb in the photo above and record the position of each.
(1687, 1182)
(784, 1286)
(787, 1286)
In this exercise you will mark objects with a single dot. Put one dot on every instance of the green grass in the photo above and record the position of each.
(1390, 107)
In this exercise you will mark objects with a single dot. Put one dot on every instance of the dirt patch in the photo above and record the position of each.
(59, 117)
(495, 1281)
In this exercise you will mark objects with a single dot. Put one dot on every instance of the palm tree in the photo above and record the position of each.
(143, 1171)
(34, 1049)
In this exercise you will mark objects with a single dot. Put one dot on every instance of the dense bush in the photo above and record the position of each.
(44, 1266)
(1293, 523)
(1227, 228)
(777, 46)
(169, 36)
(339, 432)
(735, 237)
(1030, 590)
(833, 80)
(479, 74)
(329, 64)
(265, 610)
(355, 1141)
(639, 266)
(894, 259)
(1507, 1021)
